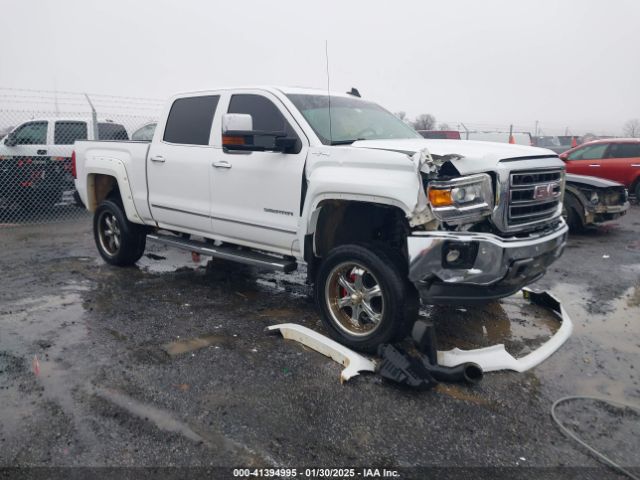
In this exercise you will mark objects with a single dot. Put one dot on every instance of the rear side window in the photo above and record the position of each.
(112, 131)
(590, 152)
(34, 133)
(190, 120)
(624, 150)
(65, 133)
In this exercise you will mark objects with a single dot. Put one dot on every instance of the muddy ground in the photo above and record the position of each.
(167, 364)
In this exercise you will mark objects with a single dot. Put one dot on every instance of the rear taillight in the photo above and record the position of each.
(74, 172)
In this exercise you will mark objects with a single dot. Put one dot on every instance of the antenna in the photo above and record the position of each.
(326, 53)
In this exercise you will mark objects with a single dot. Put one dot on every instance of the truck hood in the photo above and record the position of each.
(466, 155)
(591, 181)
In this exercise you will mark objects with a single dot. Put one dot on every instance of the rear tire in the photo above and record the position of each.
(636, 190)
(119, 241)
(364, 297)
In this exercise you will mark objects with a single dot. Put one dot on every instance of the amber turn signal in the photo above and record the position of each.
(229, 140)
(440, 198)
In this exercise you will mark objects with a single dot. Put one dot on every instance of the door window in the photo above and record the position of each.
(266, 117)
(624, 150)
(65, 133)
(589, 152)
(34, 133)
(190, 120)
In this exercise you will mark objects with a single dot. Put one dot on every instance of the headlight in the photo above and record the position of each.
(462, 199)
(594, 198)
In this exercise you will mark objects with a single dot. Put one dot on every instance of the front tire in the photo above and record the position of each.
(571, 209)
(364, 297)
(119, 241)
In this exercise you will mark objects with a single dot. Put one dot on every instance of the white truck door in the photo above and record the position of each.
(256, 196)
(179, 165)
(27, 162)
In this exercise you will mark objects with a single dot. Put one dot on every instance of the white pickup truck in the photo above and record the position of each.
(282, 177)
(35, 157)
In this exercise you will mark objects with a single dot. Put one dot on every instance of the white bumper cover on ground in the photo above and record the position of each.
(490, 359)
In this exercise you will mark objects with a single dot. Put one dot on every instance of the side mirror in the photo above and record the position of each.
(238, 135)
(563, 156)
(236, 122)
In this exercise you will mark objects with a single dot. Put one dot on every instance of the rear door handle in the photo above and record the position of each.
(594, 165)
(636, 165)
(221, 164)
(157, 159)
(41, 152)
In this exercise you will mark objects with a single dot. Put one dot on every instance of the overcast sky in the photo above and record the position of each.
(566, 63)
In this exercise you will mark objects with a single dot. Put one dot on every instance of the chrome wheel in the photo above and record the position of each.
(109, 233)
(354, 298)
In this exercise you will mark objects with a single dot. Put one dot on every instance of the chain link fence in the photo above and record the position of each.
(37, 133)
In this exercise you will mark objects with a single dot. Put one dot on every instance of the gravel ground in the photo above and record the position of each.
(167, 364)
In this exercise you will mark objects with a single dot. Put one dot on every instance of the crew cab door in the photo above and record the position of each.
(179, 165)
(622, 163)
(256, 196)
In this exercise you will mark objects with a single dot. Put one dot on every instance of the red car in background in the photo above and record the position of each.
(446, 134)
(616, 159)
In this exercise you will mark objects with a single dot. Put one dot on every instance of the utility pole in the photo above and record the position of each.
(536, 129)
(466, 130)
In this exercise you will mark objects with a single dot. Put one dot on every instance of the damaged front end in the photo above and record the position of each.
(488, 233)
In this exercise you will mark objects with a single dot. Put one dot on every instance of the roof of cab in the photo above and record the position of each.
(269, 88)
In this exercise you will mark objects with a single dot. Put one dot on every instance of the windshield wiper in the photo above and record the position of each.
(346, 142)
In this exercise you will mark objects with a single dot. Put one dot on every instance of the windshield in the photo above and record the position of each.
(351, 119)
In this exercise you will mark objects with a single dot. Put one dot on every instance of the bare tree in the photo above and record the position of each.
(444, 126)
(401, 115)
(632, 128)
(426, 121)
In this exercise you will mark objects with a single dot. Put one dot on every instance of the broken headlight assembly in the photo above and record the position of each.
(461, 200)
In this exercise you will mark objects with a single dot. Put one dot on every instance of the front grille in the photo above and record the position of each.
(534, 196)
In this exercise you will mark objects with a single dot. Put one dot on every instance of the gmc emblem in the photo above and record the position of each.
(541, 192)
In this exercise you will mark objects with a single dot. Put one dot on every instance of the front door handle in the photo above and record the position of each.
(221, 164)
(157, 159)
(42, 152)
(594, 165)
(636, 165)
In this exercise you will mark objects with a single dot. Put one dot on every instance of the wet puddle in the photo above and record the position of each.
(165, 260)
(44, 334)
(607, 340)
(179, 347)
(519, 325)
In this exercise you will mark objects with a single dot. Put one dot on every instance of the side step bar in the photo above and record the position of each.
(234, 254)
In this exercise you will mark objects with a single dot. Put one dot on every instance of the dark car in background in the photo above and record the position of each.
(556, 143)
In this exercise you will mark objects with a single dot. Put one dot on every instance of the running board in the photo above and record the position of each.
(234, 254)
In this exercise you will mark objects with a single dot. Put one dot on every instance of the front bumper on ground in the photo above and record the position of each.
(490, 359)
(486, 267)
